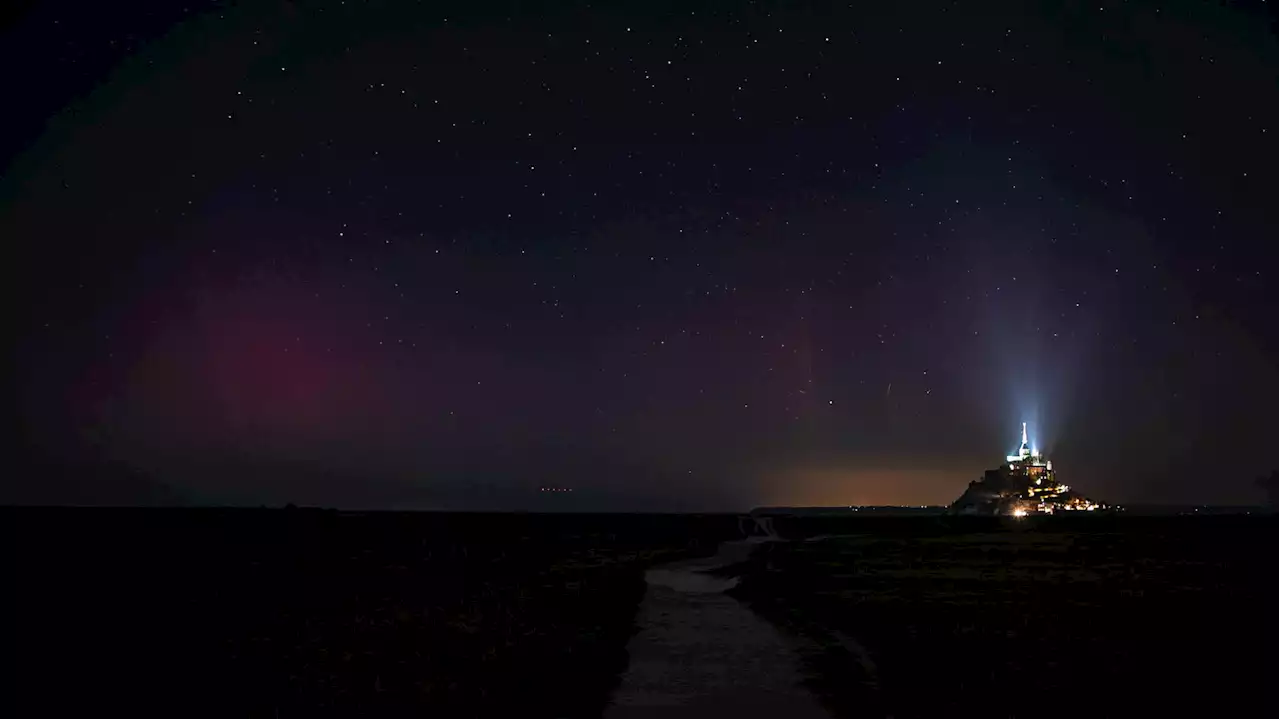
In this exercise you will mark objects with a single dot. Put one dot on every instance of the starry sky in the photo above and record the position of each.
(671, 255)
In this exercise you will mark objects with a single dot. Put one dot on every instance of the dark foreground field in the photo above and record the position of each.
(301, 613)
(1096, 617)
(270, 613)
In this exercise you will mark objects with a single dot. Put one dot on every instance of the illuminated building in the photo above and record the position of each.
(1024, 485)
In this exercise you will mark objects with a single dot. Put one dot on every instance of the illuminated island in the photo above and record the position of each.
(1025, 484)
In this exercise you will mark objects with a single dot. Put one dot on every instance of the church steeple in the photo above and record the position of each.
(1024, 450)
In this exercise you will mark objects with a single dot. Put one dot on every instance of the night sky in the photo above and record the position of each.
(672, 255)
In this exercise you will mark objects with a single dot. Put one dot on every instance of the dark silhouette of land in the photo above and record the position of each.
(1047, 616)
(299, 612)
(305, 612)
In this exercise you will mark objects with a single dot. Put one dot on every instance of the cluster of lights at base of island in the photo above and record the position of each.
(1074, 506)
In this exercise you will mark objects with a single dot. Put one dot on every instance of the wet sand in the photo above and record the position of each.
(700, 653)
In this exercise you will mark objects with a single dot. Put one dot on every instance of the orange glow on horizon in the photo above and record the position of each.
(839, 487)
